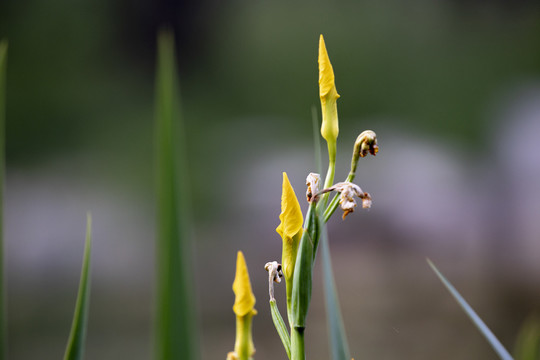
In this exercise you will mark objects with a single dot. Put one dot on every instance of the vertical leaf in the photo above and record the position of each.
(528, 341)
(175, 326)
(490, 337)
(3, 320)
(280, 327)
(339, 347)
(77, 336)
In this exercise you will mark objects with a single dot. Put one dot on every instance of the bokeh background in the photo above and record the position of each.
(452, 89)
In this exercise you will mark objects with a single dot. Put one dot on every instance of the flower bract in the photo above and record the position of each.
(290, 228)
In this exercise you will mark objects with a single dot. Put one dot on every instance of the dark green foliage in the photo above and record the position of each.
(175, 326)
(339, 347)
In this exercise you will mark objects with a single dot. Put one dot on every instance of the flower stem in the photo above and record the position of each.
(329, 180)
(244, 343)
(297, 344)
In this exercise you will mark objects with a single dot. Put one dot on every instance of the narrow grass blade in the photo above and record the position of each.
(280, 327)
(490, 337)
(302, 281)
(339, 348)
(528, 341)
(77, 336)
(176, 333)
(3, 312)
(316, 138)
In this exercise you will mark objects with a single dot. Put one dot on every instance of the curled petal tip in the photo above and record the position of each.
(366, 143)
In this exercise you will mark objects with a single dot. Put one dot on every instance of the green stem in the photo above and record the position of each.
(297, 344)
(335, 201)
(289, 288)
(244, 342)
(329, 180)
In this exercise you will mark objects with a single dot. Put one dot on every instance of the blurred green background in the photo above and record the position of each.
(452, 89)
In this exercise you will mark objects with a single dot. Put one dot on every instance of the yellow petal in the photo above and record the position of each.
(291, 214)
(290, 228)
(245, 300)
(328, 94)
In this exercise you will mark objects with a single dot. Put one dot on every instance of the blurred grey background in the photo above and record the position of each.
(452, 89)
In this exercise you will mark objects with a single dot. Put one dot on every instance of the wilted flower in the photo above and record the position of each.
(366, 142)
(274, 275)
(313, 181)
(347, 192)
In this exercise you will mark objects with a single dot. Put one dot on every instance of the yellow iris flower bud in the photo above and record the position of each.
(244, 309)
(328, 94)
(290, 228)
(245, 300)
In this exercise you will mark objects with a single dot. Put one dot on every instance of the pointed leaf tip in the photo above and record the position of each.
(244, 298)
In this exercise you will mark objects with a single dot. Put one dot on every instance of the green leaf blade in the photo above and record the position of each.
(280, 327)
(339, 348)
(77, 336)
(176, 332)
(528, 341)
(490, 337)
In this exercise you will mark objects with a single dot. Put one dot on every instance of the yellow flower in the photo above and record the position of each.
(290, 228)
(245, 300)
(328, 94)
(243, 308)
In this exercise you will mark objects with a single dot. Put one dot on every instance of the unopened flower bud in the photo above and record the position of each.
(328, 94)
(244, 308)
(290, 228)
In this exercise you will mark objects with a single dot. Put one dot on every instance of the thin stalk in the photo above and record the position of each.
(297, 344)
(329, 180)
(244, 343)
